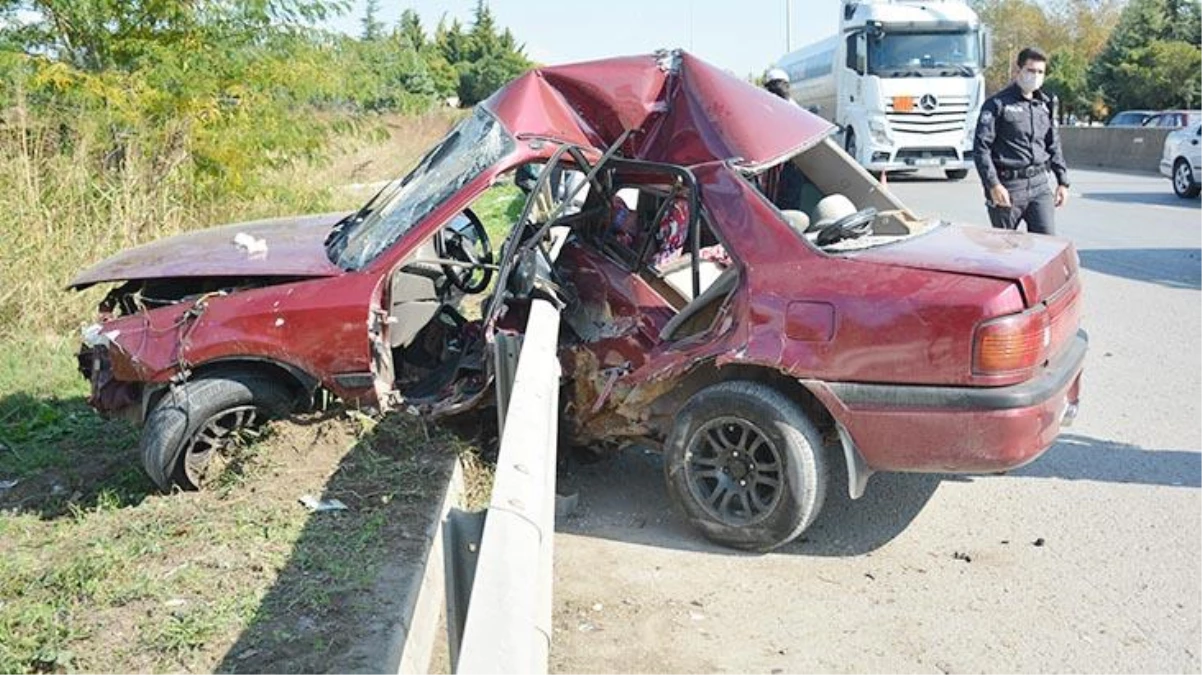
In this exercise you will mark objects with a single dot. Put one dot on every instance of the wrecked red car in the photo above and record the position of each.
(754, 345)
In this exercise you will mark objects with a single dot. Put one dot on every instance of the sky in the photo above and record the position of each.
(745, 37)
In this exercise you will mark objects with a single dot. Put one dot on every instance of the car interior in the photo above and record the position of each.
(627, 246)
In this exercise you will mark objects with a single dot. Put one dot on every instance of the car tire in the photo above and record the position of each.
(956, 174)
(1183, 179)
(746, 466)
(197, 419)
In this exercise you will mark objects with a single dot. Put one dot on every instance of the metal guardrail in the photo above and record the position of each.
(508, 624)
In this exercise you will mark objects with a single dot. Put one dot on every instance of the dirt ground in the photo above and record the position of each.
(100, 573)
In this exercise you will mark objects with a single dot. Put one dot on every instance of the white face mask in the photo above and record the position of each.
(1029, 82)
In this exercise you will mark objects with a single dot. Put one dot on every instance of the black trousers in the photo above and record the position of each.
(1031, 201)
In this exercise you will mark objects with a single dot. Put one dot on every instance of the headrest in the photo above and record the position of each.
(831, 208)
(798, 220)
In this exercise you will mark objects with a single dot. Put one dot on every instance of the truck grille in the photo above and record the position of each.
(912, 155)
(948, 115)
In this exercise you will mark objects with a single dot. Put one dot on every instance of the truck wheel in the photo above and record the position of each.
(1183, 179)
(849, 144)
(746, 466)
(197, 420)
(956, 174)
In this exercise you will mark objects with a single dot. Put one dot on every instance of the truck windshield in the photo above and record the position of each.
(475, 144)
(913, 54)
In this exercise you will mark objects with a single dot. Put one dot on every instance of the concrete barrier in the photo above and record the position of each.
(1124, 149)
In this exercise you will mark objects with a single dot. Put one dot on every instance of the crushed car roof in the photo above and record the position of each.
(679, 109)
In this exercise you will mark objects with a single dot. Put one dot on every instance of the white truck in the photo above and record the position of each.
(904, 79)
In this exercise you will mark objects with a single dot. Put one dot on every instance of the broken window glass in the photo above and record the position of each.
(477, 143)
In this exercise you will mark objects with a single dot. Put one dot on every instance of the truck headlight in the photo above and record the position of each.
(880, 131)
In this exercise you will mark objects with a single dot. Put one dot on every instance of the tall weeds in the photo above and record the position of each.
(71, 195)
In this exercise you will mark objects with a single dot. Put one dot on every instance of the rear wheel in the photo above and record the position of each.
(746, 466)
(193, 424)
(956, 174)
(1183, 179)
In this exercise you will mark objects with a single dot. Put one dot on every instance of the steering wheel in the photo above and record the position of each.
(851, 226)
(465, 240)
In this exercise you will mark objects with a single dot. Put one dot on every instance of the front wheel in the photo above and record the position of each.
(193, 423)
(1183, 179)
(746, 466)
(956, 174)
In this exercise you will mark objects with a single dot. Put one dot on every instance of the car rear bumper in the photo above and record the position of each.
(958, 429)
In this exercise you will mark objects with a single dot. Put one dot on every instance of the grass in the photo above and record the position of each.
(105, 574)
(99, 572)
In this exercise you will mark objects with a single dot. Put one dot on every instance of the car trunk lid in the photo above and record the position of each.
(1039, 264)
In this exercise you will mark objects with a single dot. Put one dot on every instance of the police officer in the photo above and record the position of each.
(784, 183)
(1016, 145)
(776, 80)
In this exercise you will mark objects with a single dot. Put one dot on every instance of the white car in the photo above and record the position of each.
(1182, 160)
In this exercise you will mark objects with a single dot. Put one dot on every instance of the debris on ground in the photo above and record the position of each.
(318, 505)
(962, 556)
(1038, 542)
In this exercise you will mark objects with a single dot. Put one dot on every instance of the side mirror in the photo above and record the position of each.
(986, 48)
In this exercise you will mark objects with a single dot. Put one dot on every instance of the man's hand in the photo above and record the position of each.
(1001, 196)
(1061, 195)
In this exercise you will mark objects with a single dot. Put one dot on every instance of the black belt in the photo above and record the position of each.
(1025, 172)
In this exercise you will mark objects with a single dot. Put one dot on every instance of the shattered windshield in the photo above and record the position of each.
(917, 54)
(475, 144)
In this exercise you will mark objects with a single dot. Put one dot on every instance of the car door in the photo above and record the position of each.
(1193, 152)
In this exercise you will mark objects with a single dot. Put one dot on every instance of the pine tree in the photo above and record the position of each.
(410, 27)
(373, 28)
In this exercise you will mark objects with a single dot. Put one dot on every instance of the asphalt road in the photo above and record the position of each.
(1087, 560)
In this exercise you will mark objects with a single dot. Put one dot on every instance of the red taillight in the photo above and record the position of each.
(1012, 344)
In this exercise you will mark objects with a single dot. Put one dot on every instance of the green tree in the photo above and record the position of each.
(489, 59)
(410, 27)
(1163, 74)
(373, 28)
(212, 89)
(1086, 23)
(451, 41)
(1151, 59)
(94, 35)
(1014, 24)
(483, 40)
(1066, 80)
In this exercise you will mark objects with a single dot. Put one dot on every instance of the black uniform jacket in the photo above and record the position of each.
(1014, 132)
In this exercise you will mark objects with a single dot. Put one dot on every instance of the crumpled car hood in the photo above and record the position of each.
(280, 247)
(681, 109)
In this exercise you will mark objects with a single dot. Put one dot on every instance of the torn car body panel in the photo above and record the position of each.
(681, 109)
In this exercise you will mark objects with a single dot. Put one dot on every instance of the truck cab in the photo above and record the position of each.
(903, 79)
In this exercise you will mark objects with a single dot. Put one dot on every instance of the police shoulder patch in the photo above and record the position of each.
(986, 117)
